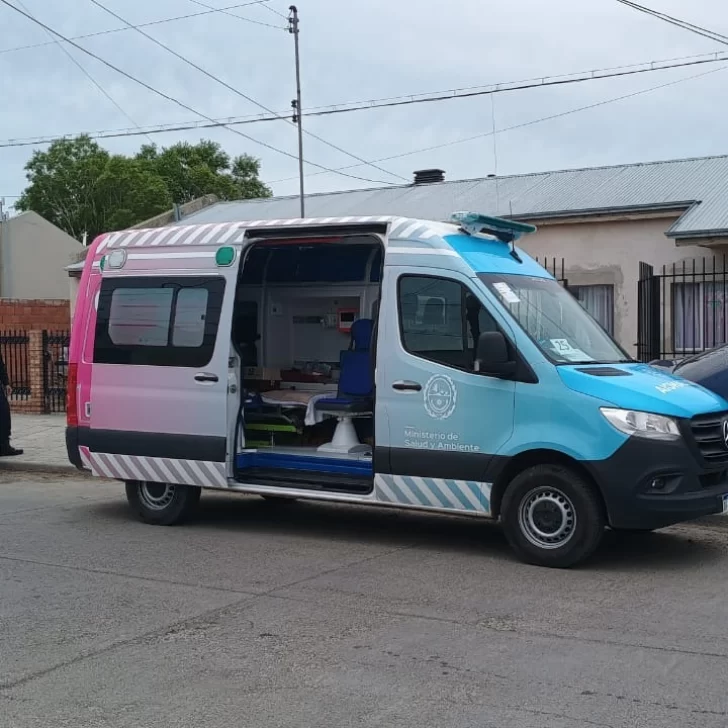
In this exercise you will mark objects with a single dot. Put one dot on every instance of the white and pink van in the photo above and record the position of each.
(378, 361)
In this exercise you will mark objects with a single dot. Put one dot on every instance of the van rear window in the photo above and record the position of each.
(170, 321)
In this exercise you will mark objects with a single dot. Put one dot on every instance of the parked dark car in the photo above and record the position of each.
(708, 368)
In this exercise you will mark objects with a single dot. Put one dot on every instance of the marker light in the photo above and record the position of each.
(225, 256)
(117, 258)
(507, 231)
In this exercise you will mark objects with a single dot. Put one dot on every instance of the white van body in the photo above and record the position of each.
(382, 361)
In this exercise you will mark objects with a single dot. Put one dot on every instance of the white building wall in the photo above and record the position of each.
(33, 257)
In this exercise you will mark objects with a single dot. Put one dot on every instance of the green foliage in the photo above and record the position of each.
(193, 170)
(80, 187)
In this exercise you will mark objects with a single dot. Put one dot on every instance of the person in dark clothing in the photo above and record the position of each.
(6, 449)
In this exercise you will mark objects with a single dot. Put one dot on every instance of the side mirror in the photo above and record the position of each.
(491, 355)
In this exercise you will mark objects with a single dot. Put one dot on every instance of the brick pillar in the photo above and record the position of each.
(35, 404)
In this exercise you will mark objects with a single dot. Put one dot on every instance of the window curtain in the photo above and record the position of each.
(599, 302)
(700, 315)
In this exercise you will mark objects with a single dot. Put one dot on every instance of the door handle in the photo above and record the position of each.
(206, 377)
(406, 386)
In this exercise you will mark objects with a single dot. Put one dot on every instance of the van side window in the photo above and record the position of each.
(169, 321)
(441, 320)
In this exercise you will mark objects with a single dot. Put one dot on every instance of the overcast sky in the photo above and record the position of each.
(363, 49)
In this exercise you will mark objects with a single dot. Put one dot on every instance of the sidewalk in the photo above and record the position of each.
(43, 439)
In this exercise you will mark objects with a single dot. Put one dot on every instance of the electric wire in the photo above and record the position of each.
(183, 105)
(233, 89)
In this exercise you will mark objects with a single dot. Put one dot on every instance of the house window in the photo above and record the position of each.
(699, 315)
(599, 302)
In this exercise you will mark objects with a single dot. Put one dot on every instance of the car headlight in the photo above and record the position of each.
(642, 424)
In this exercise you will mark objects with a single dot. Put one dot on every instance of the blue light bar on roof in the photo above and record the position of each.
(507, 231)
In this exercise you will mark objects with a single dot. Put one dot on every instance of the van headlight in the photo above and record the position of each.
(642, 424)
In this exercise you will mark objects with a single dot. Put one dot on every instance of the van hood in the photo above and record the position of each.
(641, 387)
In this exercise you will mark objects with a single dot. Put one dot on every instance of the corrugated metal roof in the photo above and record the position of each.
(700, 185)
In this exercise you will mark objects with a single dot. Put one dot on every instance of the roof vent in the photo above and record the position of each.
(428, 176)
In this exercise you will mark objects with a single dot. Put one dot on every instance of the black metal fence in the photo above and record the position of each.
(15, 354)
(682, 309)
(557, 269)
(55, 369)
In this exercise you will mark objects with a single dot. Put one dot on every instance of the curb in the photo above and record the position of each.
(47, 468)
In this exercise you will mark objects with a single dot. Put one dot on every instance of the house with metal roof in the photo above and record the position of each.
(595, 227)
(691, 190)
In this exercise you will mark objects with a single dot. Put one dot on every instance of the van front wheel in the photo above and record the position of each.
(552, 516)
(162, 504)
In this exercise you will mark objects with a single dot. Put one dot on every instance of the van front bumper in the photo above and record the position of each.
(650, 484)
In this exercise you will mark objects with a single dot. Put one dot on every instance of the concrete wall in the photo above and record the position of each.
(33, 255)
(609, 252)
(74, 283)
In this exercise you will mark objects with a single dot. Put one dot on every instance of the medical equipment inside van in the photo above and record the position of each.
(314, 299)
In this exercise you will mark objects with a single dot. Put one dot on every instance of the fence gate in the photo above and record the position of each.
(15, 354)
(648, 314)
(55, 369)
(683, 309)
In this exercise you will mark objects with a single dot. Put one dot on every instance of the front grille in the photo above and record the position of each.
(707, 431)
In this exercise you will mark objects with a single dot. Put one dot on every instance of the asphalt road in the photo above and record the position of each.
(312, 615)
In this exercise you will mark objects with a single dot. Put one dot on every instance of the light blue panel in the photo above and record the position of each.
(550, 416)
(647, 389)
(492, 256)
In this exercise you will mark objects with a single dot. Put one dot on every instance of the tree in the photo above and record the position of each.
(193, 170)
(80, 187)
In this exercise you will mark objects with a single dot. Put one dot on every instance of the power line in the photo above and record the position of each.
(86, 73)
(305, 131)
(226, 85)
(171, 98)
(514, 127)
(139, 25)
(239, 17)
(705, 32)
(275, 12)
(543, 82)
(525, 124)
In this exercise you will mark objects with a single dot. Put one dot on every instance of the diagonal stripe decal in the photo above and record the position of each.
(157, 470)
(228, 232)
(455, 495)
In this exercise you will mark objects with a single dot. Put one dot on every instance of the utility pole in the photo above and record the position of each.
(296, 103)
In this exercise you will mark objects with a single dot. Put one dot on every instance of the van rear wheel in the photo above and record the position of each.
(552, 516)
(162, 504)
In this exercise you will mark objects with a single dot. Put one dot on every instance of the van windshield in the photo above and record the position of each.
(555, 320)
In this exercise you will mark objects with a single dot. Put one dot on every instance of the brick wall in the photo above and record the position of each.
(25, 361)
(34, 315)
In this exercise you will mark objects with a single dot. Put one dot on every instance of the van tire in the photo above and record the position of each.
(162, 504)
(552, 516)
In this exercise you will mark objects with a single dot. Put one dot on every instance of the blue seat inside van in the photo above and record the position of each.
(356, 381)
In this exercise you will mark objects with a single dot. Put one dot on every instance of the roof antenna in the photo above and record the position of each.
(495, 155)
(514, 252)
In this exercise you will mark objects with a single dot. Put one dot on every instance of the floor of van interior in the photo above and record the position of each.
(306, 468)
